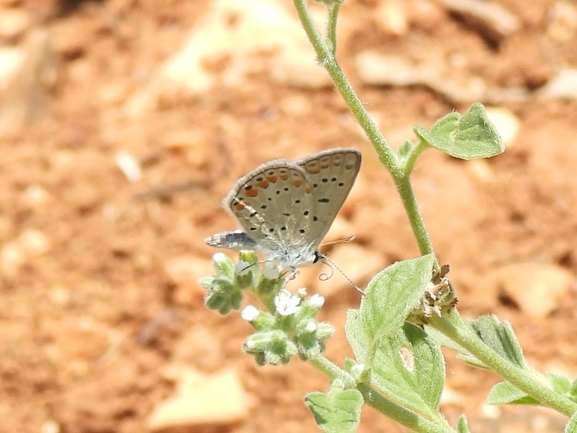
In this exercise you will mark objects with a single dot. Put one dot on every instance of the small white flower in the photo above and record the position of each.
(286, 304)
(302, 292)
(241, 268)
(317, 301)
(250, 313)
(249, 345)
(219, 258)
(311, 327)
(271, 271)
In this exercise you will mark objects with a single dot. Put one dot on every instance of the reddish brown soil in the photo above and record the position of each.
(89, 320)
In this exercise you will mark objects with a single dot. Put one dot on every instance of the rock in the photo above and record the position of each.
(218, 399)
(10, 60)
(34, 243)
(13, 23)
(266, 38)
(15, 254)
(562, 21)
(380, 69)
(294, 67)
(538, 289)
(25, 96)
(506, 122)
(563, 86)
(391, 17)
(128, 165)
(450, 396)
(481, 170)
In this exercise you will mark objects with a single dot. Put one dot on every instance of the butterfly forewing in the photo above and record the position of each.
(331, 174)
(273, 205)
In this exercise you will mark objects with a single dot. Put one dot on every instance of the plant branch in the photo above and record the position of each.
(332, 26)
(387, 156)
(455, 328)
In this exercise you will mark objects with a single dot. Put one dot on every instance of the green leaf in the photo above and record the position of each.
(463, 425)
(405, 149)
(337, 411)
(445, 341)
(409, 370)
(559, 383)
(505, 393)
(392, 294)
(501, 338)
(573, 390)
(357, 336)
(571, 426)
(466, 137)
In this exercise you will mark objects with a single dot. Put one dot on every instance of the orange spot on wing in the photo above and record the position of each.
(297, 182)
(263, 184)
(272, 179)
(308, 190)
(252, 192)
(284, 176)
(240, 206)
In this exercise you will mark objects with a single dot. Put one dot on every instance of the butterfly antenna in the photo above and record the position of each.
(332, 264)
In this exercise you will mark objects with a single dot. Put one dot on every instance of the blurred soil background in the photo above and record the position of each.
(124, 123)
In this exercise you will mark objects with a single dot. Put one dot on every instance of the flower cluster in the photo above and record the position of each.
(291, 329)
(287, 327)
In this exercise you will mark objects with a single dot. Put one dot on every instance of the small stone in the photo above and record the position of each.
(266, 39)
(294, 67)
(562, 21)
(506, 122)
(36, 197)
(218, 399)
(538, 289)
(10, 61)
(481, 170)
(562, 86)
(128, 165)
(34, 243)
(391, 17)
(30, 244)
(13, 23)
(12, 258)
(50, 426)
(451, 397)
(380, 69)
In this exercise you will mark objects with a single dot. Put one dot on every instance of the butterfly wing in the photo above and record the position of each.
(273, 205)
(331, 174)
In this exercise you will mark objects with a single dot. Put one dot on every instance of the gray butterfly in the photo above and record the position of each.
(286, 208)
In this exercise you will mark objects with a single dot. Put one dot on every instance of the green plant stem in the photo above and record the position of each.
(327, 59)
(457, 330)
(399, 414)
(386, 155)
(332, 26)
(413, 155)
(378, 401)
(409, 200)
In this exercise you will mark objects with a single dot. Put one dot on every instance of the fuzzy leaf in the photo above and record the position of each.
(466, 137)
(409, 369)
(393, 294)
(505, 393)
(337, 411)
